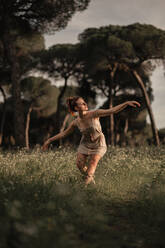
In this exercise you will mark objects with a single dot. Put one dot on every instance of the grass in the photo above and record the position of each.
(43, 201)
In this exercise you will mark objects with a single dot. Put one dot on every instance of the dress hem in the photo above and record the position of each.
(101, 151)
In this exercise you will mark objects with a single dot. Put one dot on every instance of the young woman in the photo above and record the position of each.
(92, 145)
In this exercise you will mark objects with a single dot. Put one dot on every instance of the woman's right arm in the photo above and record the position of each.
(58, 136)
(106, 112)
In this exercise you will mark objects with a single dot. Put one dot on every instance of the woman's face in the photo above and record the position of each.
(81, 105)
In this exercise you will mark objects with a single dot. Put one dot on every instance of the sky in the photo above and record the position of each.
(120, 12)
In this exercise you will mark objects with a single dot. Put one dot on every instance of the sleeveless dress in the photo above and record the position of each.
(92, 140)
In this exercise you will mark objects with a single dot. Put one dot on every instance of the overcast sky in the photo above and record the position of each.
(120, 12)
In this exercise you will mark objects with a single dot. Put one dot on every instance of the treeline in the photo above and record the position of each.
(108, 65)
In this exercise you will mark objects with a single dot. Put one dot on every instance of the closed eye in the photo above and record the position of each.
(83, 103)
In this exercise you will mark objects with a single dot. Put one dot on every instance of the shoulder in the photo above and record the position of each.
(93, 114)
(74, 122)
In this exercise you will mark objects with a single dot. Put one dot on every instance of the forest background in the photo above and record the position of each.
(107, 65)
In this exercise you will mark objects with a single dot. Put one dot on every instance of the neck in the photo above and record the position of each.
(82, 114)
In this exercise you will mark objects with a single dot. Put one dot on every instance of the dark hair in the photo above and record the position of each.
(71, 102)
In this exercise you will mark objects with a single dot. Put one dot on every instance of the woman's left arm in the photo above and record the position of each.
(106, 112)
(58, 136)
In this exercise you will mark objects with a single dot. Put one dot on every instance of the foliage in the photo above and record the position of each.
(27, 47)
(20, 17)
(41, 15)
(60, 61)
(124, 48)
(44, 202)
(41, 95)
(138, 42)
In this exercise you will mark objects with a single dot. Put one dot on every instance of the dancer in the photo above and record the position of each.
(92, 146)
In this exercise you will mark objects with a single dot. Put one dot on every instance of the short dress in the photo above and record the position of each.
(93, 139)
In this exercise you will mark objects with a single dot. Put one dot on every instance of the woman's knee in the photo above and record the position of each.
(94, 160)
(93, 164)
(80, 160)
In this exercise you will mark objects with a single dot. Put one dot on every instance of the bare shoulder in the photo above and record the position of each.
(71, 127)
(74, 122)
(92, 114)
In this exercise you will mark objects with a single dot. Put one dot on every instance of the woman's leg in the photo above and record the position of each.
(81, 163)
(92, 167)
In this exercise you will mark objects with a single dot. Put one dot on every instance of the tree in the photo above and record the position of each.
(42, 97)
(124, 88)
(127, 48)
(18, 18)
(102, 51)
(3, 114)
(27, 45)
(148, 43)
(61, 62)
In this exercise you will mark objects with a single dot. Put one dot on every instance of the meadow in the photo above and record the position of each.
(43, 201)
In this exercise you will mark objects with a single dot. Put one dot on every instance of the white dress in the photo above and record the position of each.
(92, 140)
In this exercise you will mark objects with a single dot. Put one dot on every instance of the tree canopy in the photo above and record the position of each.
(20, 17)
(41, 95)
(44, 15)
(124, 48)
(138, 42)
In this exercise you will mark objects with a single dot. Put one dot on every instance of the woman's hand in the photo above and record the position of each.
(133, 104)
(45, 145)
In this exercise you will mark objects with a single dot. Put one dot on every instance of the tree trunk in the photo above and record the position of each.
(15, 74)
(3, 116)
(148, 104)
(27, 127)
(123, 134)
(117, 134)
(17, 103)
(63, 126)
(111, 86)
(125, 131)
(58, 112)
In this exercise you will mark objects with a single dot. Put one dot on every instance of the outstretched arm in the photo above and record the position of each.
(106, 112)
(58, 136)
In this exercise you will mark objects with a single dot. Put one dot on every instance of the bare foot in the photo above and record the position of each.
(89, 179)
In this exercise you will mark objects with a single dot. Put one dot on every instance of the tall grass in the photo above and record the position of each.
(43, 201)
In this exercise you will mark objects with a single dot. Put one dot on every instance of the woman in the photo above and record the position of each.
(92, 144)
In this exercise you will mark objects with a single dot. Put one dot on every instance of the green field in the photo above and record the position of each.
(43, 201)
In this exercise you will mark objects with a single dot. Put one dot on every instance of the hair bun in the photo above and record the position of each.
(71, 103)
